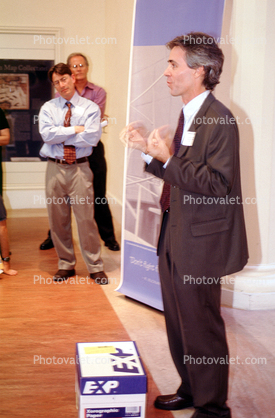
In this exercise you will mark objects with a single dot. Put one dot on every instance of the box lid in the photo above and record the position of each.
(110, 367)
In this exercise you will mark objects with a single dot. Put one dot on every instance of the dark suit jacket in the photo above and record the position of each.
(208, 236)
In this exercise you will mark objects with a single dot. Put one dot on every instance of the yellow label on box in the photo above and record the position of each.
(100, 349)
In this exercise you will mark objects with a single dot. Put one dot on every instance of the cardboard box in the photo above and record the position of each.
(110, 380)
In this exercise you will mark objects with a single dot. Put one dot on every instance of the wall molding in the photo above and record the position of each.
(32, 30)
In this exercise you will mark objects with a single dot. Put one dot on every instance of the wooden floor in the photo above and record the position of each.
(40, 324)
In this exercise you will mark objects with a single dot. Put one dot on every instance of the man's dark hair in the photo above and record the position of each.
(60, 69)
(201, 50)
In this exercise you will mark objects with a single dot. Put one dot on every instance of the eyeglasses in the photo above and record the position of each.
(78, 65)
(62, 80)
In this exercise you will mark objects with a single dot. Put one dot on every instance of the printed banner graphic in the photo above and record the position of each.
(156, 23)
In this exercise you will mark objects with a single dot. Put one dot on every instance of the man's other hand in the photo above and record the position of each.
(79, 129)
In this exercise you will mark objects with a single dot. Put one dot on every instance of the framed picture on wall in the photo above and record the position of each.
(14, 91)
(24, 88)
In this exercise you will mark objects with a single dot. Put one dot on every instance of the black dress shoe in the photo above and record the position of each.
(63, 275)
(172, 402)
(47, 244)
(100, 277)
(112, 245)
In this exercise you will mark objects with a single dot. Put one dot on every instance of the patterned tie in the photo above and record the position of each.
(165, 196)
(69, 150)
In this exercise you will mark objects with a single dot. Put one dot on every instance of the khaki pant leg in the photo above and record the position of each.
(82, 201)
(59, 211)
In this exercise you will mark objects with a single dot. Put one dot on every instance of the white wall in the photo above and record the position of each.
(85, 18)
(250, 79)
(105, 41)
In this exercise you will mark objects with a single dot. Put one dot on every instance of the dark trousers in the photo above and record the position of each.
(102, 211)
(196, 332)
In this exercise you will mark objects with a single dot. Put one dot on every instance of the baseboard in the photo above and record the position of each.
(248, 301)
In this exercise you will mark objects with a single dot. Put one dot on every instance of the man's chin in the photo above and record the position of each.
(80, 78)
(66, 96)
(172, 92)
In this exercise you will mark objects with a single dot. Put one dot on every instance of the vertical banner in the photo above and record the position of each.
(156, 22)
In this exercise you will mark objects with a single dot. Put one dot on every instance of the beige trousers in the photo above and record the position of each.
(71, 187)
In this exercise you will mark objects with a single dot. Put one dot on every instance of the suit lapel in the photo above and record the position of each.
(197, 121)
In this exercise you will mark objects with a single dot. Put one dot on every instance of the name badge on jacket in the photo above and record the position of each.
(189, 139)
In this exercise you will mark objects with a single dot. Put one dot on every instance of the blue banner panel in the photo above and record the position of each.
(150, 102)
(159, 21)
(141, 270)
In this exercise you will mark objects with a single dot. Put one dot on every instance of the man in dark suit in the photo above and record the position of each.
(203, 234)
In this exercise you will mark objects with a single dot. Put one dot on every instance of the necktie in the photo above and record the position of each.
(165, 196)
(69, 150)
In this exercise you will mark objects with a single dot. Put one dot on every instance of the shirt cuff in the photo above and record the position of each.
(167, 162)
(147, 158)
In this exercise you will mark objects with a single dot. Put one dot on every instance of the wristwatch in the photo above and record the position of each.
(6, 259)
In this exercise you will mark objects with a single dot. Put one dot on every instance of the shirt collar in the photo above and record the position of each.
(90, 85)
(194, 105)
(74, 100)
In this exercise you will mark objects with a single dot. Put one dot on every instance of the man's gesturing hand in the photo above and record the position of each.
(160, 144)
(135, 136)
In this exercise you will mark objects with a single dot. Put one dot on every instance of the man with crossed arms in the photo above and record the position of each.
(203, 234)
(79, 66)
(70, 128)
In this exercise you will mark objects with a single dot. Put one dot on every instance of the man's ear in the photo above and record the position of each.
(199, 72)
(73, 78)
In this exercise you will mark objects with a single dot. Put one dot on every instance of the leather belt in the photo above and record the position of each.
(78, 161)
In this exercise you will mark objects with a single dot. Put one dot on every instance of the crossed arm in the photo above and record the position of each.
(81, 136)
